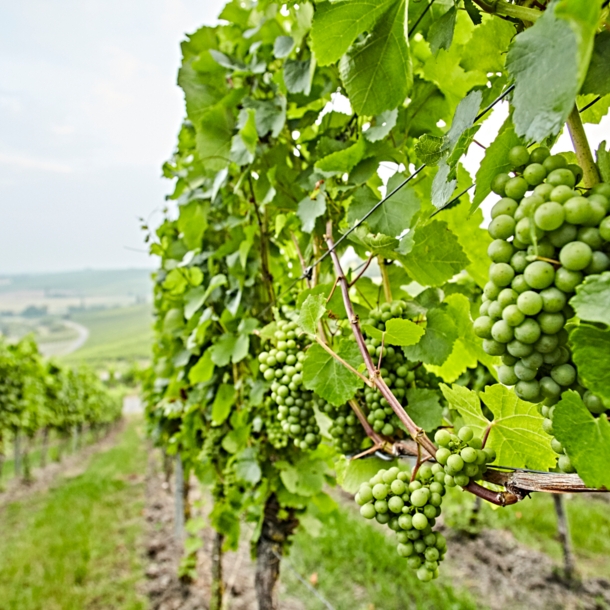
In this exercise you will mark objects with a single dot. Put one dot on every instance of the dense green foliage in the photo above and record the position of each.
(38, 395)
(296, 114)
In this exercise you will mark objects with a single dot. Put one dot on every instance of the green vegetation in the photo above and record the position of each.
(357, 567)
(76, 546)
(122, 333)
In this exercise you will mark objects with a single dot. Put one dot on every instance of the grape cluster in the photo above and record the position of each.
(544, 244)
(409, 508)
(346, 431)
(283, 366)
(461, 456)
(398, 372)
(275, 433)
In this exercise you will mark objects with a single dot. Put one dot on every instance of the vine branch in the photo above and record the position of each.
(582, 148)
(504, 9)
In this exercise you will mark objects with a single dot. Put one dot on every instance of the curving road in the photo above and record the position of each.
(63, 348)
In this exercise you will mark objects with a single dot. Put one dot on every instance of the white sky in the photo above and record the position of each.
(89, 110)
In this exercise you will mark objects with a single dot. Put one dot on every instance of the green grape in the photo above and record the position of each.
(538, 155)
(502, 227)
(512, 315)
(577, 210)
(507, 297)
(590, 236)
(575, 256)
(539, 275)
(600, 262)
(518, 156)
(498, 184)
(506, 205)
(515, 188)
(567, 280)
(530, 302)
(506, 375)
(562, 236)
(500, 251)
(561, 194)
(561, 177)
(564, 374)
(553, 162)
(549, 216)
(534, 174)
(553, 300)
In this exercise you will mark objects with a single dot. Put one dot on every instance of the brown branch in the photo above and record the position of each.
(363, 271)
(415, 431)
(523, 482)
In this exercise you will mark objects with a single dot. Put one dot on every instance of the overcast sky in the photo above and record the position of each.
(89, 110)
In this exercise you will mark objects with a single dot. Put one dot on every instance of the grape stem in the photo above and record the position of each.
(504, 9)
(582, 148)
(366, 266)
(300, 255)
(385, 279)
(417, 433)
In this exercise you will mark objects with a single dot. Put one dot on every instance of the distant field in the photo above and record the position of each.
(88, 288)
(117, 334)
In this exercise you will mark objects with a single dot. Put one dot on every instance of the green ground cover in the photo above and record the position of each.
(357, 568)
(116, 334)
(76, 546)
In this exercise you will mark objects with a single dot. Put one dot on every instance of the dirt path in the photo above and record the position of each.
(63, 348)
(71, 465)
(163, 554)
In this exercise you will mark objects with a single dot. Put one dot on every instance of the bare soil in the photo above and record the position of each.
(503, 574)
(163, 554)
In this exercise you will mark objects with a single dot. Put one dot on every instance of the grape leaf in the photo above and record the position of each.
(246, 466)
(398, 332)
(352, 473)
(203, 370)
(585, 438)
(311, 312)
(310, 209)
(282, 46)
(329, 378)
(598, 75)
(486, 49)
(391, 218)
(467, 350)
(424, 408)
(382, 58)
(473, 12)
(337, 24)
(305, 477)
(548, 63)
(384, 123)
(223, 401)
(431, 149)
(494, 162)
(443, 185)
(437, 343)
(436, 255)
(343, 160)
(516, 432)
(230, 348)
(192, 222)
(592, 298)
(440, 34)
(603, 161)
(298, 76)
(214, 136)
(591, 353)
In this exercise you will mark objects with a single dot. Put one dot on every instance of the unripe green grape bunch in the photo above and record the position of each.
(409, 508)
(283, 366)
(346, 431)
(547, 237)
(275, 432)
(397, 371)
(462, 456)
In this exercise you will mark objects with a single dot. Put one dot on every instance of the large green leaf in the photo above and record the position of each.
(214, 136)
(495, 161)
(548, 63)
(311, 313)
(393, 216)
(592, 299)
(337, 24)
(377, 72)
(310, 209)
(598, 75)
(435, 256)
(327, 377)
(223, 401)
(397, 332)
(437, 343)
(591, 353)
(516, 432)
(440, 34)
(192, 222)
(424, 408)
(586, 439)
